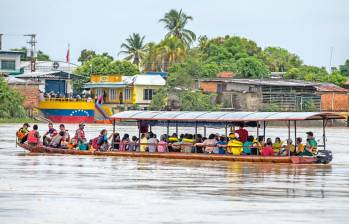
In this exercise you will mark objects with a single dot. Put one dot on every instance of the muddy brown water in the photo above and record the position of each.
(91, 189)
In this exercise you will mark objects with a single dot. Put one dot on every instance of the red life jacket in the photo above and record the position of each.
(95, 143)
(32, 138)
(82, 134)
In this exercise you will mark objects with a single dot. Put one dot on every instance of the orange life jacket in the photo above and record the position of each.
(32, 138)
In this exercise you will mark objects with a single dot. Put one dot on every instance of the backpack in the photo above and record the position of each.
(95, 143)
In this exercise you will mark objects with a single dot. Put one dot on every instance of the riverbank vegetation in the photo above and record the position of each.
(10, 103)
(186, 57)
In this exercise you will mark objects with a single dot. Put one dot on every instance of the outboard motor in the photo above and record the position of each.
(324, 156)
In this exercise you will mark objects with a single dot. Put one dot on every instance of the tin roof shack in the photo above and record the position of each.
(333, 98)
(10, 62)
(259, 95)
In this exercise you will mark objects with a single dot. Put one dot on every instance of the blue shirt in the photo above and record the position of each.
(247, 149)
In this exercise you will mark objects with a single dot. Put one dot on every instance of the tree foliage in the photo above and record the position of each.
(197, 101)
(10, 102)
(40, 55)
(134, 48)
(175, 23)
(251, 68)
(280, 60)
(86, 55)
(345, 68)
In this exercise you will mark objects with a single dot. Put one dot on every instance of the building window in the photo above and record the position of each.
(148, 94)
(127, 94)
(112, 94)
(8, 65)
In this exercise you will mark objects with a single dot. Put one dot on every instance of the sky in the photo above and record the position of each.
(308, 28)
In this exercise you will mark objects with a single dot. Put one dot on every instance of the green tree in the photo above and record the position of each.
(281, 60)
(335, 77)
(251, 68)
(86, 55)
(159, 101)
(197, 101)
(134, 48)
(10, 102)
(40, 55)
(175, 23)
(345, 68)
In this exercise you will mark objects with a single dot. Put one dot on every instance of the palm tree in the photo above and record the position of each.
(171, 50)
(175, 23)
(134, 48)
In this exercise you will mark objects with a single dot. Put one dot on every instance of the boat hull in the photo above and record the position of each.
(172, 155)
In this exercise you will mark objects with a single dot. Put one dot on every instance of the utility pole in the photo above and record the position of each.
(1, 41)
(32, 43)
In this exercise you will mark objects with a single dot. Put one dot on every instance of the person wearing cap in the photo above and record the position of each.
(235, 146)
(311, 146)
(22, 133)
(79, 137)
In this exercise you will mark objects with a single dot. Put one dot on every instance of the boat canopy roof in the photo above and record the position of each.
(214, 117)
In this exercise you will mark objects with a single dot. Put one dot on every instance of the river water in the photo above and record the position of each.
(89, 189)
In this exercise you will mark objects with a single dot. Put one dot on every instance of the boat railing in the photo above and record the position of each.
(64, 99)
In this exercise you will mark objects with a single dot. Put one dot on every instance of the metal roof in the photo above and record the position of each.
(263, 82)
(213, 117)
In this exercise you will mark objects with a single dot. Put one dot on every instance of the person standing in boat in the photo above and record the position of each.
(48, 136)
(79, 137)
(243, 133)
(34, 136)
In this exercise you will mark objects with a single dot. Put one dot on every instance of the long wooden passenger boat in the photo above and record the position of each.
(224, 119)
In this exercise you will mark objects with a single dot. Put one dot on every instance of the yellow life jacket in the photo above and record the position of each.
(235, 147)
(173, 139)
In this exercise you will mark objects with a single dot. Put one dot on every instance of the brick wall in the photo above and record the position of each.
(208, 87)
(30, 92)
(337, 102)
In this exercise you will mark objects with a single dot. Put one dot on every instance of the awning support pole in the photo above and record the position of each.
(205, 131)
(176, 128)
(264, 130)
(257, 129)
(112, 141)
(139, 135)
(289, 137)
(226, 129)
(295, 134)
(196, 127)
(168, 128)
(324, 133)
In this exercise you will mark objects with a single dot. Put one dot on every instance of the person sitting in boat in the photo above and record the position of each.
(288, 149)
(173, 143)
(267, 150)
(102, 142)
(79, 137)
(152, 142)
(143, 143)
(22, 133)
(132, 146)
(115, 141)
(49, 134)
(277, 146)
(243, 133)
(34, 136)
(311, 145)
(299, 146)
(187, 143)
(124, 143)
(234, 145)
(248, 145)
(222, 145)
(210, 144)
(57, 139)
(162, 145)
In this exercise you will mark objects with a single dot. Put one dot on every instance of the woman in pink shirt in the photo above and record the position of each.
(267, 150)
(162, 145)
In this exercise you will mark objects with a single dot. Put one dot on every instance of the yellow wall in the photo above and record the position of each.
(60, 104)
(106, 78)
(139, 90)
